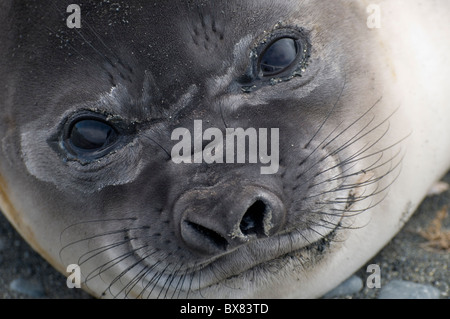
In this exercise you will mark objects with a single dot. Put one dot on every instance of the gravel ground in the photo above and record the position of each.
(407, 256)
(404, 263)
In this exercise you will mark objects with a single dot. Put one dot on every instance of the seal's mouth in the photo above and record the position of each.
(279, 256)
(262, 259)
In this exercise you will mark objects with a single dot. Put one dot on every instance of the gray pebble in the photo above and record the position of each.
(349, 287)
(398, 289)
(2, 243)
(30, 288)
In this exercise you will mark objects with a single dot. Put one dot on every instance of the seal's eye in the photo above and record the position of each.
(278, 57)
(89, 137)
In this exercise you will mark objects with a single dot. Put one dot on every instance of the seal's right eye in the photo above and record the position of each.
(91, 138)
(278, 57)
(91, 135)
(275, 58)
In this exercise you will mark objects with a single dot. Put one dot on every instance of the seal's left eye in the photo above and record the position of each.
(278, 57)
(89, 137)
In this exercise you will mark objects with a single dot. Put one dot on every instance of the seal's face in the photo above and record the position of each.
(98, 107)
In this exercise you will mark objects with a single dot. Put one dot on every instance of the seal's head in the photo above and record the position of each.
(95, 173)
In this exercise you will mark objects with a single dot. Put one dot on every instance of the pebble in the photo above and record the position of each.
(27, 287)
(399, 289)
(349, 287)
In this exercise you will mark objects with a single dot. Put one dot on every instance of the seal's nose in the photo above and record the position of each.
(213, 222)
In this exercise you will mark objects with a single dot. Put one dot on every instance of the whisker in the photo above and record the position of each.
(312, 153)
(330, 225)
(159, 145)
(181, 280)
(114, 232)
(100, 39)
(135, 280)
(329, 113)
(350, 142)
(363, 171)
(159, 276)
(113, 262)
(99, 251)
(171, 276)
(317, 232)
(354, 123)
(144, 288)
(118, 277)
(95, 221)
(191, 281)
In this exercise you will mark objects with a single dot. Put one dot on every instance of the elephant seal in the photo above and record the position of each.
(87, 168)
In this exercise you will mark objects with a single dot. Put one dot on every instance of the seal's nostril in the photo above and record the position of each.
(254, 219)
(211, 235)
(214, 221)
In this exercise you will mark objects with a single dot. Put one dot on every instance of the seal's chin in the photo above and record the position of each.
(258, 261)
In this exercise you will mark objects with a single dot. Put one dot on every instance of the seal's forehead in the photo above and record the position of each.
(173, 24)
(165, 23)
(162, 32)
(145, 26)
(176, 43)
(158, 31)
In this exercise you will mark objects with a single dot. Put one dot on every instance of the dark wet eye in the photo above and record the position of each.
(90, 136)
(278, 57)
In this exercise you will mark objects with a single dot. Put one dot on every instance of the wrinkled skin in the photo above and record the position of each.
(363, 133)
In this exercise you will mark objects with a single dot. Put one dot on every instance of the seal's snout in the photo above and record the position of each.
(214, 221)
